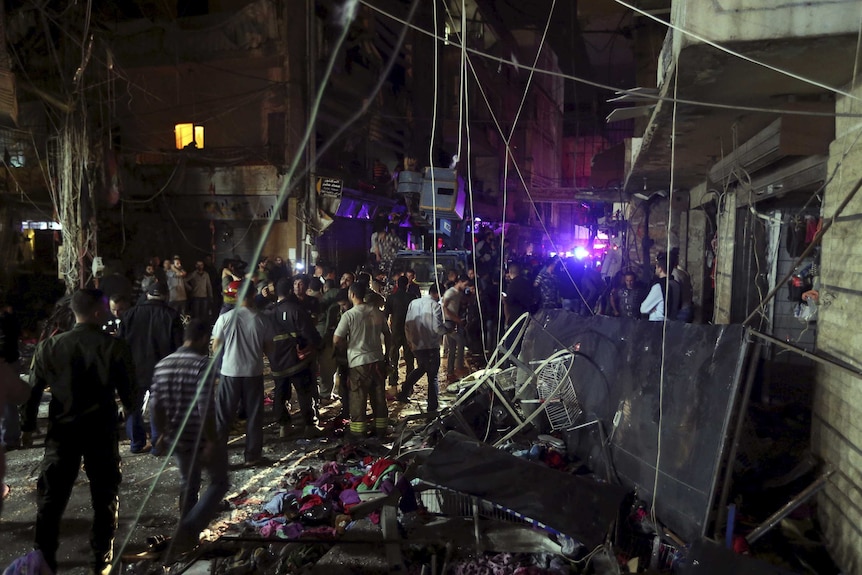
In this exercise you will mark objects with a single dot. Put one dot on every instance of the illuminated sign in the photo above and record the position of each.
(31, 225)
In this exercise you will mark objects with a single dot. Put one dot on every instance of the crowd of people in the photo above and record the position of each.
(583, 286)
(188, 348)
(325, 340)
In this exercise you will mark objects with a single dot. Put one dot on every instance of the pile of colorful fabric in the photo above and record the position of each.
(317, 504)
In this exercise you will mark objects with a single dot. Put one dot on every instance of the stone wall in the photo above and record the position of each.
(724, 257)
(837, 410)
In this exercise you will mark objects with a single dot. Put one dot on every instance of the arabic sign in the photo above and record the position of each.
(228, 208)
(329, 187)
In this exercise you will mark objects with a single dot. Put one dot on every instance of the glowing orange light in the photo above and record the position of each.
(186, 134)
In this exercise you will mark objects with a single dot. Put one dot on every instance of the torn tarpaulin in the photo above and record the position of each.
(641, 379)
(575, 506)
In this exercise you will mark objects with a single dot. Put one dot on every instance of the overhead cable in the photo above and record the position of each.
(640, 94)
(667, 292)
(507, 142)
(522, 180)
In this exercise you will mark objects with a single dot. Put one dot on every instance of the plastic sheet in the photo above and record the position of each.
(618, 377)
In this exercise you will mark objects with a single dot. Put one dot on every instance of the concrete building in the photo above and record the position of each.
(250, 74)
(242, 78)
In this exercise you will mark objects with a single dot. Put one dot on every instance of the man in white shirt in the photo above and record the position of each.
(360, 329)
(424, 329)
(245, 336)
(655, 303)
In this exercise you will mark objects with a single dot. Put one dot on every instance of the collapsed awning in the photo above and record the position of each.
(576, 506)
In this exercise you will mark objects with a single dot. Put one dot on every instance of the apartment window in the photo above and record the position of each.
(12, 148)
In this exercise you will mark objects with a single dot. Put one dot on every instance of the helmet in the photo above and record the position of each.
(232, 288)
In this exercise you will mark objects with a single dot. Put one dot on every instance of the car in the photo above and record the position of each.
(427, 265)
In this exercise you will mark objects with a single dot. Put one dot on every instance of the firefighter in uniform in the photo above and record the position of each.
(293, 360)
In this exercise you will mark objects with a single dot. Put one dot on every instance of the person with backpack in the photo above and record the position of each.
(662, 301)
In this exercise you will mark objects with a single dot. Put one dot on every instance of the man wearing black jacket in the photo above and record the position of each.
(293, 359)
(519, 297)
(396, 311)
(153, 331)
(85, 368)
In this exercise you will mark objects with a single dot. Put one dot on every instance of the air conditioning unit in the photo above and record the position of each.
(442, 193)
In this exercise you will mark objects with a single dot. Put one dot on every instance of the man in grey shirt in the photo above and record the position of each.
(360, 330)
(244, 336)
(455, 366)
(176, 277)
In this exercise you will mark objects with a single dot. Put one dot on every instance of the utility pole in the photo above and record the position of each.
(73, 202)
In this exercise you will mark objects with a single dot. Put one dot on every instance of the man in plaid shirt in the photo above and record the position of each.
(183, 409)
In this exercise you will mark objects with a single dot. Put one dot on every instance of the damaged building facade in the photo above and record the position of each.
(748, 191)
